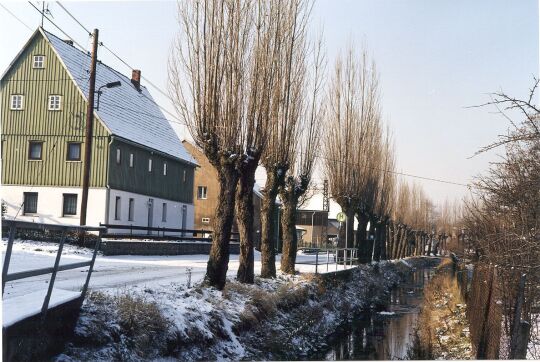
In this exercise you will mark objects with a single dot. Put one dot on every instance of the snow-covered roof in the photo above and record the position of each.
(126, 112)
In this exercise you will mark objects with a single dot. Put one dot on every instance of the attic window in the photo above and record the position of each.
(39, 61)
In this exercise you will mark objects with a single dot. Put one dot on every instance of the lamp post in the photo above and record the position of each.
(108, 85)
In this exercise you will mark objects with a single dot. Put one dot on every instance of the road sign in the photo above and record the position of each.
(341, 217)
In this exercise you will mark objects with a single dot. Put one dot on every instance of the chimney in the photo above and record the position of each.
(136, 78)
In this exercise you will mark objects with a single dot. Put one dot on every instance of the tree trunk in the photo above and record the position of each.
(268, 209)
(290, 239)
(403, 242)
(362, 243)
(378, 242)
(216, 271)
(395, 240)
(244, 220)
(382, 243)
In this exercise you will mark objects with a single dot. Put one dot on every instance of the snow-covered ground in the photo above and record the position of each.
(124, 271)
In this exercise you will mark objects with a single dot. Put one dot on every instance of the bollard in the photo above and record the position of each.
(316, 261)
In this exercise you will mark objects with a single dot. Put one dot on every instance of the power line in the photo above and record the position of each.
(15, 16)
(74, 18)
(184, 124)
(53, 23)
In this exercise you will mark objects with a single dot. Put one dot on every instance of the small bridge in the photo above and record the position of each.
(47, 310)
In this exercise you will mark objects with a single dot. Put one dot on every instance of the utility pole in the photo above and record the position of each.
(89, 129)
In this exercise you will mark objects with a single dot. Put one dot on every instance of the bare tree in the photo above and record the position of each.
(272, 30)
(299, 175)
(209, 73)
(288, 100)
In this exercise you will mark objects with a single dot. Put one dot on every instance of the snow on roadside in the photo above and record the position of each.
(233, 324)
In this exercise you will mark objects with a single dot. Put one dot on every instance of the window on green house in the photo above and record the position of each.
(30, 203)
(35, 150)
(164, 213)
(131, 160)
(117, 206)
(131, 209)
(164, 168)
(70, 205)
(74, 151)
(39, 61)
(55, 102)
(149, 165)
(17, 102)
(118, 155)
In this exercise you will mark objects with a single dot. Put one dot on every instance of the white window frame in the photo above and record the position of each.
(203, 195)
(131, 209)
(131, 160)
(118, 208)
(39, 62)
(15, 105)
(149, 165)
(205, 220)
(164, 212)
(55, 102)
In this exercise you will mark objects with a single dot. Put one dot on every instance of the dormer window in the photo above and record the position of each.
(55, 102)
(17, 102)
(39, 61)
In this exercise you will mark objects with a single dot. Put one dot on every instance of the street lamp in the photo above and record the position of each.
(108, 85)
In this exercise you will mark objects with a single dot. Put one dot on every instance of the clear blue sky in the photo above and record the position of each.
(434, 57)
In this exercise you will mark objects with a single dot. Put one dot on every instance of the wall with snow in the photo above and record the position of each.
(50, 203)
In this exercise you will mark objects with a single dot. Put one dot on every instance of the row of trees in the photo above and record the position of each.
(249, 83)
(360, 165)
(502, 219)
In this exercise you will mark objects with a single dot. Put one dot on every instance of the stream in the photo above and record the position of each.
(386, 334)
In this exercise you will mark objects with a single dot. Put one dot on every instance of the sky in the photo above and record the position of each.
(435, 59)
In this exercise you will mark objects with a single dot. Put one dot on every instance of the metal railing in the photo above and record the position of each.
(331, 258)
(13, 225)
(182, 234)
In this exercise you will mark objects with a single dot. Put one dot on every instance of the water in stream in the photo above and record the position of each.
(386, 334)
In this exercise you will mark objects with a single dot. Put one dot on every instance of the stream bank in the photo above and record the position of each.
(288, 318)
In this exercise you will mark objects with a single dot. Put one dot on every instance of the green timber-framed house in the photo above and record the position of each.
(140, 172)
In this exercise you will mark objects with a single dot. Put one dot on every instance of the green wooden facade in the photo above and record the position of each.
(153, 183)
(36, 123)
(56, 128)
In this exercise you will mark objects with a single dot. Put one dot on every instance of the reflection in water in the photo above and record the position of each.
(387, 334)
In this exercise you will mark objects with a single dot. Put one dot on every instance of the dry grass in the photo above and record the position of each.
(443, 327)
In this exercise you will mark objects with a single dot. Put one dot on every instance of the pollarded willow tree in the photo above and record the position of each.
(299, 174)
(385, 198)
(288, 95)
(352, 130)
(217, 65)
(274, 24)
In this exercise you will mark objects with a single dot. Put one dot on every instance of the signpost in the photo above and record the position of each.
(342, 217)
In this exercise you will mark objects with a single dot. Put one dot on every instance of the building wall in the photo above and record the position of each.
(50, 203)
(176, 185)
(205, 175)
(54, 128)
(141, 210)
